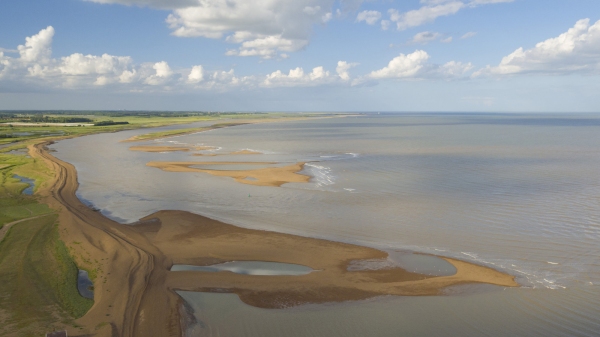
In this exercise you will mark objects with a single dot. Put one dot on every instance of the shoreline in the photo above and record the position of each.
(140, 258)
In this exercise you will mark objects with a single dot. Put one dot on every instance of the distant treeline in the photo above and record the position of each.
(40, 118)
(46, 119)
(26, 113)
(105, 123)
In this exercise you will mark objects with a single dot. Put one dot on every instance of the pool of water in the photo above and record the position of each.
(85, 285)
(250, 268)
(30, 182)
(416, 263)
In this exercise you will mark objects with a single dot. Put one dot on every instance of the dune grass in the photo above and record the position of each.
(39, 280)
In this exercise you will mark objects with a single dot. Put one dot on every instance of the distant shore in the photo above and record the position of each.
(138, 258)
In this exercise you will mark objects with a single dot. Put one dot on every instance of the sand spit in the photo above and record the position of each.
(151, 148)
(270, 176)
(246, 152)
(193, 239)
(136, 274)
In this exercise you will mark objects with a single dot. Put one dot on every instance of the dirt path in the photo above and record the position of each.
(7, 226)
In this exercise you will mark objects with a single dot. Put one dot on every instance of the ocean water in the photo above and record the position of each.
(517, 192)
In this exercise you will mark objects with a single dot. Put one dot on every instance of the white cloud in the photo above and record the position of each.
(425, 37)
(297, 77)
(402, 66)
(447, 40)
(433, 9)
(196, 75)
(468, 35)
(416, 66)
(424, 14)
(342, 69)
(264, 28)
(385, 24)
(37, 47)
(370, 17)
(577, 50)
(79, 64)
(161, 75)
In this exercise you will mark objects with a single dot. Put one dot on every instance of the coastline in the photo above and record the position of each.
(143, 254)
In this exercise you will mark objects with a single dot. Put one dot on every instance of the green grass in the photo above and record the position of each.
(39, 280)
(171, 133)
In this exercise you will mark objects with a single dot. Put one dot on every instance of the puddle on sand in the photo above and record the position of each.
(85, 285)
(250, 268)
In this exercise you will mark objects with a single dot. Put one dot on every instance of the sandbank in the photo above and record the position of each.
(156, 148)
(270, 176)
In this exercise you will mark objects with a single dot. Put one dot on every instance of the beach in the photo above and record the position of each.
(135, 262)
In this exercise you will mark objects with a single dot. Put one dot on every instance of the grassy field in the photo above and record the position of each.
(179, 132)
(39, 280)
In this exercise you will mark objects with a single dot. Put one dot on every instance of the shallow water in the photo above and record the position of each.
(515, 192)
(85, 285)
(30, 182)
(249, 268)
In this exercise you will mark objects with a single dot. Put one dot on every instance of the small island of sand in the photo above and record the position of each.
(269, 176)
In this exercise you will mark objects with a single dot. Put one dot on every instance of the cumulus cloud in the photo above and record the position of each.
(263, 28)
(416, 66)
(342, 69)
(297, 77)
(37, 47)
(370, 17)
(196, 75)
(577, 50)
(433, 9)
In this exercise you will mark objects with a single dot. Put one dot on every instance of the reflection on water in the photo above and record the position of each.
(250, 268)
(85, 285)
(515, 192)
(512, 312)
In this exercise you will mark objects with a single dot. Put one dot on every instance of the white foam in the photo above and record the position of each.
(321, 174)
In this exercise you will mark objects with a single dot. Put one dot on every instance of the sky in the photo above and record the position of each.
(301, 55)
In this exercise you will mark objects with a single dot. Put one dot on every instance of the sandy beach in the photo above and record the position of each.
(135, 260)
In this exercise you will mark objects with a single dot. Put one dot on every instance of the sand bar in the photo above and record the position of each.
(270, 176)
(155, 148)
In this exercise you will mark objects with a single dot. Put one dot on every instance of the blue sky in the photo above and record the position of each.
(301, 55)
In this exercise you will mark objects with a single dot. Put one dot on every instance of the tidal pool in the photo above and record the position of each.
(249, 268)
(85, 285)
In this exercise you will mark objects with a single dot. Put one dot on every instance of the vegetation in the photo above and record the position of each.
(180, 132)
(39, 280)
(105, 123)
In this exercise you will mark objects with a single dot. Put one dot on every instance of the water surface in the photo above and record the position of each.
(516, 192)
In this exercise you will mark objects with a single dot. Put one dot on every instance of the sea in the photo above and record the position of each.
(516, 192)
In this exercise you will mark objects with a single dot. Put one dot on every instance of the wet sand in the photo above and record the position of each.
(135, 263)
(270, 176)
(150, 148)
